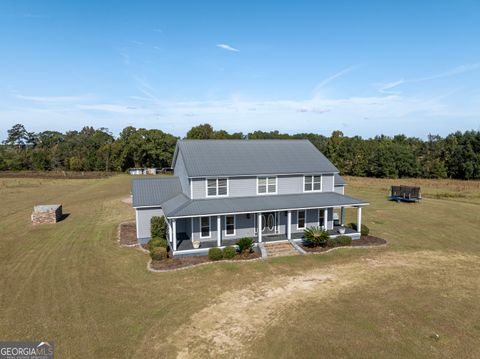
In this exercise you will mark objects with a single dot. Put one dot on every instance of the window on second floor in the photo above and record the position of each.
(312, 183)
(217, 187)
(266, 185)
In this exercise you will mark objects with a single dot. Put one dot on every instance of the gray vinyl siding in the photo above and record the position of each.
(290, 184)
(311, 219)
(143, 222)
(181, 173)
(247, 186)
(340, 189)
(327, 183)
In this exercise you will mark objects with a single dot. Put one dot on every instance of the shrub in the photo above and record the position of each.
(158, 253)
(215, 254)
(158, 227)
(316, 236)
(365, 230)
(229, 252)
(344, 241)
(245, 244)
(332, 242)
(153, 243)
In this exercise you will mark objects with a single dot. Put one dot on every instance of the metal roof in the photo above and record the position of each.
(339, 181)
(202, 207)
(154, 191)
(205, 158)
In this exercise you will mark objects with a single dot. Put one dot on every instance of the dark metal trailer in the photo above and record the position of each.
(405, 194)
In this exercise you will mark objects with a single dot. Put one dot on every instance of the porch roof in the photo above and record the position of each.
(230, 205)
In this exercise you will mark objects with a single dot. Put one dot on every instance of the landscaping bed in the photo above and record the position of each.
(364, 241)
(127, 234)
(182, 262)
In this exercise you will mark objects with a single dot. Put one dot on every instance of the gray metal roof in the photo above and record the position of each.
(154, 191)
(201, 207)
(251, 157)
(339, 181)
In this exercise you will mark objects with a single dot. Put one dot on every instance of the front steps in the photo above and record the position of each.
(280, 249)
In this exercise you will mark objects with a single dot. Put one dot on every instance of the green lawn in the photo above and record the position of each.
(72, 284)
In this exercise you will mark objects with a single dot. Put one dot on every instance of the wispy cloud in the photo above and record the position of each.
(334, 76)
(227, 47)
(387, 87)
(53, 99)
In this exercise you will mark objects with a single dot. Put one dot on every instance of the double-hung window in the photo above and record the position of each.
(204, 227)
(301, 219)
(266, 185)
(217, 187)
(230, 225)
(312, 183)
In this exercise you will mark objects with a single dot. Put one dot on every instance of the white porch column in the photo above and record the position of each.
(169, 231)
(289, 225)
(325, 218)
(174, 234)
(259, 229)
(219, 231)
(342, 216)
(359, 219)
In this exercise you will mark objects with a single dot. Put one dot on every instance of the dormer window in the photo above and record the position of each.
(266, 185)
(312, 183)
(217, 187)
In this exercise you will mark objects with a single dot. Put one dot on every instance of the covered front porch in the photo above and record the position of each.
(224, 230)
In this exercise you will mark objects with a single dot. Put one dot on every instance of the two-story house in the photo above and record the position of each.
(223, 190)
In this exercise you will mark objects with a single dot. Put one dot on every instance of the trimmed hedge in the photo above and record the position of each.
(229, 252)
(158, 227)
(157, 242)
(159, 253)
(343, 241)
(215, 254)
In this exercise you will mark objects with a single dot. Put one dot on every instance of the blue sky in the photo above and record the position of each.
(363, 67)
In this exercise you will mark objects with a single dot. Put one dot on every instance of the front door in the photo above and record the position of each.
(269, 223)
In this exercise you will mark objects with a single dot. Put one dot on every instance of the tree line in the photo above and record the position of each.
(454, 156)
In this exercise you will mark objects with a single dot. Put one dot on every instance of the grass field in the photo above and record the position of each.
(72, 284)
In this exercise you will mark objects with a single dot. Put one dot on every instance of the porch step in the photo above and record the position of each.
(280, 249)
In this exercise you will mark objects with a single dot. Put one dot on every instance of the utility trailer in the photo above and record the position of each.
(405, 194)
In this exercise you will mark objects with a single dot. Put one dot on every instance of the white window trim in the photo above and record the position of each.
(216, 181)
(305, 218)
(267, 193)
(234, 225)
(209, 227)
(313, 190)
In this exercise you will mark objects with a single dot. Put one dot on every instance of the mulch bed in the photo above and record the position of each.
(364, 241)
(181, 262)
(128, 234)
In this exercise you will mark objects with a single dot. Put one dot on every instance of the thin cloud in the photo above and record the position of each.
(334, 76)
(227, 47)
(53, 99)
(385, 88)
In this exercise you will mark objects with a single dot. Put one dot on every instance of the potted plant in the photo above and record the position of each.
(341, 230)
(196, 243)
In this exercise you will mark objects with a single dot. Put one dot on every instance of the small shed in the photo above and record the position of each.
(47, 213)
(405, 194)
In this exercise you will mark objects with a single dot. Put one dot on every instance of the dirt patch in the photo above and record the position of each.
(56, 174)
(127, 200)
(227, 326)
(127, 234)
(364, 241)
